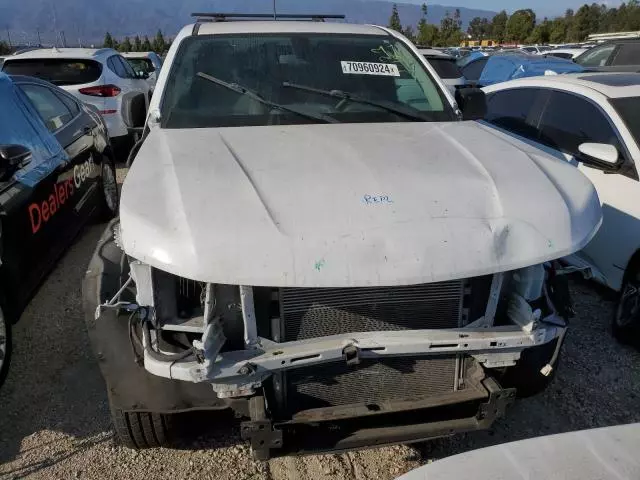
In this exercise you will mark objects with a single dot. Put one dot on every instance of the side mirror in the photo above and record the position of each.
(472, 102)
(599, 155)
(12, 157)
(134, 110)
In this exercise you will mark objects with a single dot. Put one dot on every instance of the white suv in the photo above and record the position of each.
(98, 77)
(309, 236)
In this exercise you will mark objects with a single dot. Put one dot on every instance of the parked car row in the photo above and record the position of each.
(56, 172)
(64, 114)
(322, 230)
(102, 78)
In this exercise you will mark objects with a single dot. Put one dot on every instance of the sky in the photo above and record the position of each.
(541, 7)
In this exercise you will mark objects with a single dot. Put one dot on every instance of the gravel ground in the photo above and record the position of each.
(54, 418)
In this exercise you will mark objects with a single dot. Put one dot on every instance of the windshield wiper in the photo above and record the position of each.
(234, 87)
(398, 110)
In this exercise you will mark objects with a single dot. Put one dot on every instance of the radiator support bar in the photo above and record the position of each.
(237, 373)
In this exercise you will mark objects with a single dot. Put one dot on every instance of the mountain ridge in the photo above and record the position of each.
(25, 19)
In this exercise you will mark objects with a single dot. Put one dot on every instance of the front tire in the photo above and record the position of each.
(139, 430)
(5, 347)
(626, 318)
(110, 197)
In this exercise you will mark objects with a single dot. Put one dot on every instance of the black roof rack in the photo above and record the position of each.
(225, 17)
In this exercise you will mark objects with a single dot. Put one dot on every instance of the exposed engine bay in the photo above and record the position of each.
(291, 357)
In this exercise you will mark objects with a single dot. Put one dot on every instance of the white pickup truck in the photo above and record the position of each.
(312, 236)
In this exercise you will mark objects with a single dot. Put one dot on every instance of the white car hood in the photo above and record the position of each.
(350, 204)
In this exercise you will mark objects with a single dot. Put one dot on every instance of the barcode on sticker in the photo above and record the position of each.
(368, 68)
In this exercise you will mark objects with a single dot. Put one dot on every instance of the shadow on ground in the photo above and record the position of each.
(597, 383)
(54, 404)
(54, 384)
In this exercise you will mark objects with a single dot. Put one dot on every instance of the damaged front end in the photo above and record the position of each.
(361, 366)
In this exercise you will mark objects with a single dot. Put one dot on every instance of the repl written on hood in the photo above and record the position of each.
(374, 204)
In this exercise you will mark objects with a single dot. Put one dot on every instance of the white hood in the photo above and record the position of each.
(350, 204)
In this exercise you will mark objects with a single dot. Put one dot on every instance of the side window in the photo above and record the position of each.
(628, 54)
(129, 73)
(512, 110)
(596, 57)
(473, 70)
(116, 66)
(54, 113)
(71, 104)
(570, 120)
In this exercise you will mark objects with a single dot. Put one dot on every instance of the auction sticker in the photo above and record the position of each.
(368, 68)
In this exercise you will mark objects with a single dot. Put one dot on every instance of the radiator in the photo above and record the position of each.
(316, 312)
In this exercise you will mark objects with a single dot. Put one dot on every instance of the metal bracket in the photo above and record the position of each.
(114, 303)
(486, 321)
(249, 317)
(499, 400)
(259, 431)
(351, 355)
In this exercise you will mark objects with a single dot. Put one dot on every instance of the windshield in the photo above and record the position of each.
(57, 71)
(596, 57)
(348, 78)
(629, 109)
(141, 65)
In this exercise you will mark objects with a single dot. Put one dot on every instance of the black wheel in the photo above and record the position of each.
(5, 347)
(110, 200)
(526, 376)
(140, 429)
(626, 318)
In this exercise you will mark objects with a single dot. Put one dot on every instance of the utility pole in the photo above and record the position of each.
(275, 15)
(39, 41)
(64, 39)
(9, 37)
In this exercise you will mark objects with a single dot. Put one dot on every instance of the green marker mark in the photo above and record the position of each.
(319, 264)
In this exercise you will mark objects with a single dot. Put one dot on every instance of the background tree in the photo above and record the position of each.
(520, 25)
(475, 28)
(137, 44)
(499, 26)
(457, 19)
(450, 33)
(108, 41)
(585, 21)
(541, 33)
(159, 45)
(479, 28)
(558, 31)
(422, 27)
(146, 45)
(4, 48)
(394, 19)
(125, 46)
(409, 33)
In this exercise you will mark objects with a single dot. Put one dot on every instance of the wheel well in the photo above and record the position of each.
(109, 153)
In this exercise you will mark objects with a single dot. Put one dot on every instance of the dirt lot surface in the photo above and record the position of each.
(54, 418)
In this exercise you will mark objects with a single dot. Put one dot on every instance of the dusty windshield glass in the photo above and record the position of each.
(374, 79)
